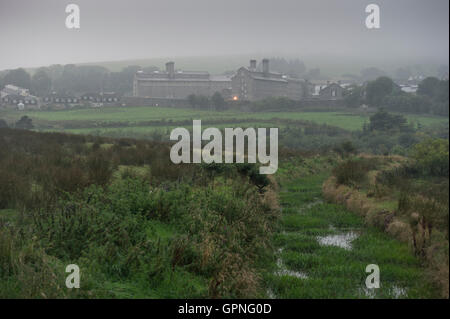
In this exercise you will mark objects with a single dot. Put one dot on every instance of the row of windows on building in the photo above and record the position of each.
(109, 98)
(49, 99)
(100, 98)
(17, 100)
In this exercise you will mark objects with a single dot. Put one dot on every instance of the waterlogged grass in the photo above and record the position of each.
(333, 271)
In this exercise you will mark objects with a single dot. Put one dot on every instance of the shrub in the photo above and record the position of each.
(99, 168)
(432, 157)
(353, 172)
(425, 215)
(13, 188)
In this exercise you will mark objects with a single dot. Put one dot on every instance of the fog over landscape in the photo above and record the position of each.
(272, 150)
(325, 31)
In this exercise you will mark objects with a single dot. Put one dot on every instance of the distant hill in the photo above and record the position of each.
(213, 64)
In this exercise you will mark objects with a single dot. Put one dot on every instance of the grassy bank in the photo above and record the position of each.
(391, 194)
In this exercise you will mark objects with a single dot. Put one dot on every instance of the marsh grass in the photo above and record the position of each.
(137, 225)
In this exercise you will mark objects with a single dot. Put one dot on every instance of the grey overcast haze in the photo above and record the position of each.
(33, 33)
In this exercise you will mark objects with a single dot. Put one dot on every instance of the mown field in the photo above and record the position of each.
(93, 121)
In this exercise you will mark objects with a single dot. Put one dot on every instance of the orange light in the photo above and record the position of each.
(235, 98)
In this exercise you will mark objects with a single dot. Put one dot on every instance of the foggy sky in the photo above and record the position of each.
(33, 33)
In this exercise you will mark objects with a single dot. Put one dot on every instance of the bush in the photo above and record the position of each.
(99, 168)
(13, 188)
(432, 157)
(353, 171)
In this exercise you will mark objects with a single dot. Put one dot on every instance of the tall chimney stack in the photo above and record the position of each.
(252, 65)
(170, 69)
(265, 63)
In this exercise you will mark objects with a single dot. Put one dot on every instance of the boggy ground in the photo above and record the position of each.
(323, 248)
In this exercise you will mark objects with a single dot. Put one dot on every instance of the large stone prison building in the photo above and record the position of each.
(247, 84)
(171, 84)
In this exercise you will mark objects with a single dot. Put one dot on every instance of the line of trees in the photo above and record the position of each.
(72, 79)
(215, 102)
(431, 96)
(24, 123)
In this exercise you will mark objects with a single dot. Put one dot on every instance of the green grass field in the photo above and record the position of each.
(141, 131)
(94, 118)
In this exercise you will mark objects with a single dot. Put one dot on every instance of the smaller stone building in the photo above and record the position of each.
(332, 91)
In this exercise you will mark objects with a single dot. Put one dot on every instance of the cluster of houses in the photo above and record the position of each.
(12, 96)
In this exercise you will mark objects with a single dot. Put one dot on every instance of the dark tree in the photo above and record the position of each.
(192, 100)
(354, 97)
(429, 87)
(199, 101)
(81, 79)
(345, 149)
(25, 123)
(218, 101)
(122, 82)
(41, 83)
(384, 121)
(437, 92)
(377, 90)
(18, 77)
